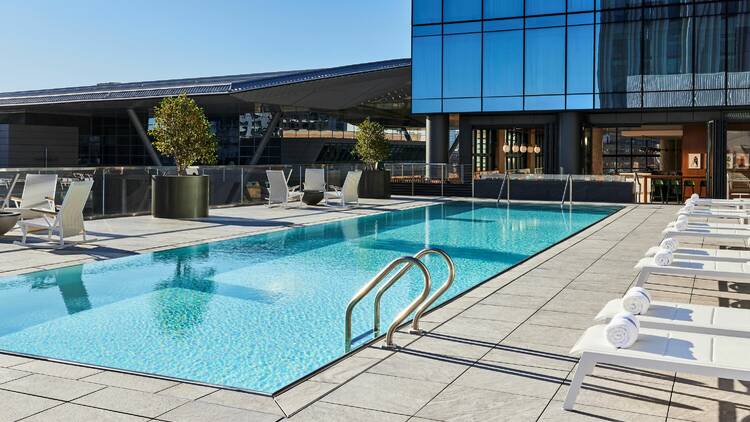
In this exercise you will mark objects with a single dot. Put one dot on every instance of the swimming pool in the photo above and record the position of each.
(260, 312)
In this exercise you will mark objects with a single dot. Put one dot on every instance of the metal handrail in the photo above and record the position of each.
(426, 304)
(506, 178)
(374, 282)
(568, 182)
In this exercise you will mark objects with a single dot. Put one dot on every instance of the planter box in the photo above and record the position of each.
(8, 219)
(375, 184)
(179, 196)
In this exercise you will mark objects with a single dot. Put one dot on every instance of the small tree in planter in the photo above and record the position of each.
(373, 148)
(181, 131)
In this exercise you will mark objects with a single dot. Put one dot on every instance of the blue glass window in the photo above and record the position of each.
(579, 102)
(462, 28)
(616, 4)
(462, 10)
(580, 59)
(545, 102)
(738, 56)
(503, 25)
(503, 63)
(618, 58)
(462, 68)
(426, 67)
(427, 11)
(502, 104)
(668, 56)
(457, 105)
(503, 8)
(545, 61)
(421, 31)
(544, 7)
(426, 106)
(545, 21)
(580, 5)
(580, 18)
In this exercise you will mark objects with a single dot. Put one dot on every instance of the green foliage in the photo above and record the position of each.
(372, 147)
(182, 131)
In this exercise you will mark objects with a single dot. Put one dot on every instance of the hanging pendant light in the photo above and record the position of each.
(537, 149)
(506, 148)
(524, 149)
(515, 148)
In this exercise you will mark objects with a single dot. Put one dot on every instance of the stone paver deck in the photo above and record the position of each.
(497, 353)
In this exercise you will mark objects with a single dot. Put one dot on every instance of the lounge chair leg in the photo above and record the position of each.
(642, 277)
(585, 366)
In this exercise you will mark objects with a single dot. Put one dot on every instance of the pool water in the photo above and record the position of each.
(260, 312)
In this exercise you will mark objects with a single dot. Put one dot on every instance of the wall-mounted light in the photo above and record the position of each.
(515, 148)
(506, 148)
(524, 149)
(537, 149)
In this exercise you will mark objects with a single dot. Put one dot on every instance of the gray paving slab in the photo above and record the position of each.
(69, 412)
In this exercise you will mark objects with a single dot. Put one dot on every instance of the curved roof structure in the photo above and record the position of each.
(235, 85)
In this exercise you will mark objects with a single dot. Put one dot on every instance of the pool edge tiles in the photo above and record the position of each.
(372, 238)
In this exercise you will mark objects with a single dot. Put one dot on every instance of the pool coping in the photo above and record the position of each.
(428, 201)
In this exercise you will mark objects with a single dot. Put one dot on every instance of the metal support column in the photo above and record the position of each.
(136, 122)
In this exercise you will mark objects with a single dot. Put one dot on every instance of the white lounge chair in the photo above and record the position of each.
(705, 254)
(65, 222)
(722, 203)
(279, 192)
(662, 350)
(712, 225)
(686, 317)
(710, 269)
(38, 195)
(349, 193)
(315, 180)
(740, 215)
(707, 232)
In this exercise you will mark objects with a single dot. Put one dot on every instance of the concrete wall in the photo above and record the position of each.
(25, 146)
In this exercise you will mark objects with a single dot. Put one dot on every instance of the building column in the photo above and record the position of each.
(569, 143)
(437, 139)
(716, 166)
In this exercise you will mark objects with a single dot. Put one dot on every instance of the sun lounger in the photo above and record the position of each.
(349, 193)
(37, 197)
(279, 192)
(707, 232)
(705, 254)
(739, 215)
(710, 269)
(686, 317)
(65, 222)
(662, 350)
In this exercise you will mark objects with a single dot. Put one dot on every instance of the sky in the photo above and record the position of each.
(61, 43)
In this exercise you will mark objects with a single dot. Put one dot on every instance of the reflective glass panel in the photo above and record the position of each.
(461, 10)
(709, 53)
(502, 8)
(580, 5)
(613, 4)
(545, 102)
(738, 53)
(668, 55)
(455, 105)
(503, 63)
(426, 67)
(581, 59)
(503, 104)
(618, 57)
(427, 11)
(462, 67)
(545, 61)
(544, 7)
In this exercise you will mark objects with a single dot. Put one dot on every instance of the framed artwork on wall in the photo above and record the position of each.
(741, 160)
(730, 161)
(694, 161)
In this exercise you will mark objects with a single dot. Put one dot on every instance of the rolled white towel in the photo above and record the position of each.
(663, 258)
(622, 330)
(689, 207)
(681, 225)
(670, 244)
(636, 301)
(695, 197)
(689, 201)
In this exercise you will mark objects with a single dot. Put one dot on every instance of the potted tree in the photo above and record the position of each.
(372, 148)
(181, 131)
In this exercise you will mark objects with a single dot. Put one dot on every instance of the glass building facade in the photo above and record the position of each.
(516, 55)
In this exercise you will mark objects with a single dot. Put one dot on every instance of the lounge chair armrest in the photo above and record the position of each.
(45, 211)
(335, 188)
(15, 198)
(293, 188)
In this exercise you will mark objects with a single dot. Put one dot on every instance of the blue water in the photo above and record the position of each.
(260, 312)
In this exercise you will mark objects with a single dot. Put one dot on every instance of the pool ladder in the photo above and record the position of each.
(420, 304)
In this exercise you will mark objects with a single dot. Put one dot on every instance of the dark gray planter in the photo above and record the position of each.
(179, 196)
(375, 184)
(8, 219)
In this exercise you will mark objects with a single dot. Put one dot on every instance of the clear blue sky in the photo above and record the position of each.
(59, 43)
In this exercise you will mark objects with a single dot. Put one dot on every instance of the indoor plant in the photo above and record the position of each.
(372, 148)
(182, 131)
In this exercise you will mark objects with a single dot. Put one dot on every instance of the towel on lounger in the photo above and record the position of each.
(681, 224)
(695, 197)
(670, 244)
(636, 301)
(622, 330)
(663, 258)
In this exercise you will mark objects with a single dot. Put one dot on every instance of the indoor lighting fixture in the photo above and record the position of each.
(537, 149)
(506, 148)
(524, 149)
(515, 148)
